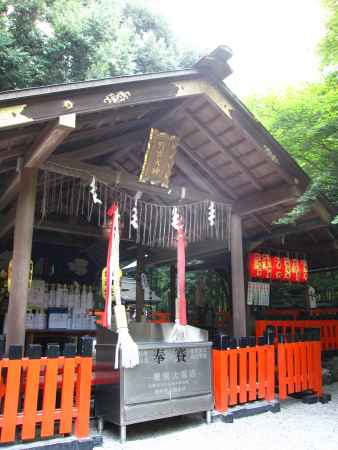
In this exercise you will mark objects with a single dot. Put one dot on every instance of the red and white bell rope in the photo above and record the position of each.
(126, 348)
(182, 302)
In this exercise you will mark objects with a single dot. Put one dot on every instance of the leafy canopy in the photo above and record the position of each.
(305, 121)
(54, 41)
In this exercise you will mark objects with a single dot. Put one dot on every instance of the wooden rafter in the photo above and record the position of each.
(265, 200)
(204, 166)
(223, 149)
(184, 164)
(102, 148)
(124, 180)
(43, 146)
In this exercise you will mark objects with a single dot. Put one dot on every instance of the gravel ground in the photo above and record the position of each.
(297, 426)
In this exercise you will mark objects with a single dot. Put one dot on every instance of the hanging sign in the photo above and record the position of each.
(10, 274)
(266, 267)
(159, 158)
(258, 293)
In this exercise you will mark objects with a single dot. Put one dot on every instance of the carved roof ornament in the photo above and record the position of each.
(271, 155)
(13, 115)
(117, 97)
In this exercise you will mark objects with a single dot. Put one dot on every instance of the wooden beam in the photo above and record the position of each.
(237, 277)
(102, 95)
(11, 153)
(223, 149)
(222, 186)
(195, 250)
(184, 164)
(74, 229)
(123, 179)
(23, 233)
(103, 148)
(44, 145)
(266, 199)
(279, 231)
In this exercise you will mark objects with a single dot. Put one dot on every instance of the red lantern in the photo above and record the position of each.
(255, 265)
(294, 269)
(303, 271)
(276, 268)
(266, 267)
(286, 269)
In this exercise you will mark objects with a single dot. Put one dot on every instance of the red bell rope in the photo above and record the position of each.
(106, 321)
(182, 302)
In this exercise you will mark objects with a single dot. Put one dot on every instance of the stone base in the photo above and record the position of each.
(68, 443)
(249, 409)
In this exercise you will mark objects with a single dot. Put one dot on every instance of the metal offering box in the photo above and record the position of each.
(172, 378)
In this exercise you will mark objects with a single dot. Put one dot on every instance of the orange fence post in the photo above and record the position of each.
(67, 396)
(49, 397)
(281, 357)
(31, 398)
(83, 390)
(261, 371)
(270, 351)
(221, 386)
(11, 401)
(243, 373)
(253, 373)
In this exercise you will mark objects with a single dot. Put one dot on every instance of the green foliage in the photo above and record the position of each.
(216, 292)
(329, 46)
(305, 121)
(54, 41)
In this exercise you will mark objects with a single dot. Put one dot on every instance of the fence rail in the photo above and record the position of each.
(328, 329)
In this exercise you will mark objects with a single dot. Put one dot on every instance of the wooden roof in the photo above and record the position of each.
(224, 152)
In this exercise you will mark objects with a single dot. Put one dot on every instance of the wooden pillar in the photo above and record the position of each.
(237, 277)
(172, 298)
(22, 249)
(139, 288)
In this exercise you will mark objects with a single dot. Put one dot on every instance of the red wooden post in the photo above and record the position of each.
(83, 390)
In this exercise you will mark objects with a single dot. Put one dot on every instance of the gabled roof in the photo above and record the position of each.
(224, 152)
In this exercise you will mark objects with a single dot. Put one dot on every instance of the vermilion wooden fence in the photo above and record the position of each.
(328, 329)
(299, 368)
(242, 375)
(41, 397)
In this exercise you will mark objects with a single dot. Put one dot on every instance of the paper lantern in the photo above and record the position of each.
(255, 265)
(276, 268)
(303, 271)
(294, 269)
(266, 266)
(286, 269)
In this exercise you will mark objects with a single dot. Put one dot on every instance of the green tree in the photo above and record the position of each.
(54, 41)
(305, 121)
(328, 48)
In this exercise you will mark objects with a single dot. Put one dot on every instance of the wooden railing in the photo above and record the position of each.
(45, 396)
(242, 375)
(299, 368)
(251, 372)
(328, 329)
